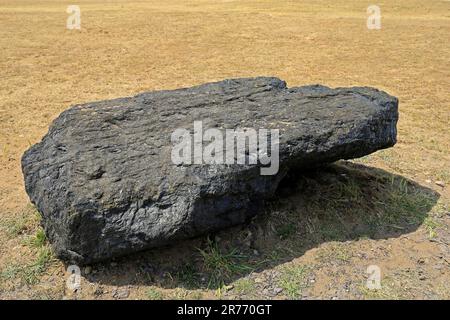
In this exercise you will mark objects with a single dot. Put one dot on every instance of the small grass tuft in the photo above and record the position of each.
(293, 280)
(38, 240)
(431, 225)
(32, 272)
(154, 294)
(221, 266)
(405, 201)
(29, 274)
(245, 286)
(188, 276)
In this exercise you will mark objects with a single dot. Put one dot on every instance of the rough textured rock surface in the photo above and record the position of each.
(105, 184)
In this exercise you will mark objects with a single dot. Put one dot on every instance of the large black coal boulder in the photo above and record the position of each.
(105, 183)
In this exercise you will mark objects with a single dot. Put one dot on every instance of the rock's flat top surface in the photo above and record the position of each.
(105, 184)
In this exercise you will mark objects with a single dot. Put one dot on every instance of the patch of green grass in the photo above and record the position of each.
(384, 202)
(347, 201)
(29, 274)
(276, 254)
(154, 294)
(221, 266)
(347, 191)
(405, 202)
(245, 286)
(21, 224)
(188, 276)
(33, 271)
(431, 225)
(38, 240)
(293, 280)
(10, 272)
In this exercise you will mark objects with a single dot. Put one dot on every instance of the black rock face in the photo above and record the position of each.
(105, 183)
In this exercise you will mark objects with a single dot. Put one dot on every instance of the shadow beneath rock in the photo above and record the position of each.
(339, 202)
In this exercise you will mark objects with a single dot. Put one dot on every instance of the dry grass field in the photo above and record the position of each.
(390, 209)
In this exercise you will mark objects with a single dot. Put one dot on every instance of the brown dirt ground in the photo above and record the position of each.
(317, 239)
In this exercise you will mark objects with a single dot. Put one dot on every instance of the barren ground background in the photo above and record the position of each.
(326, 227)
